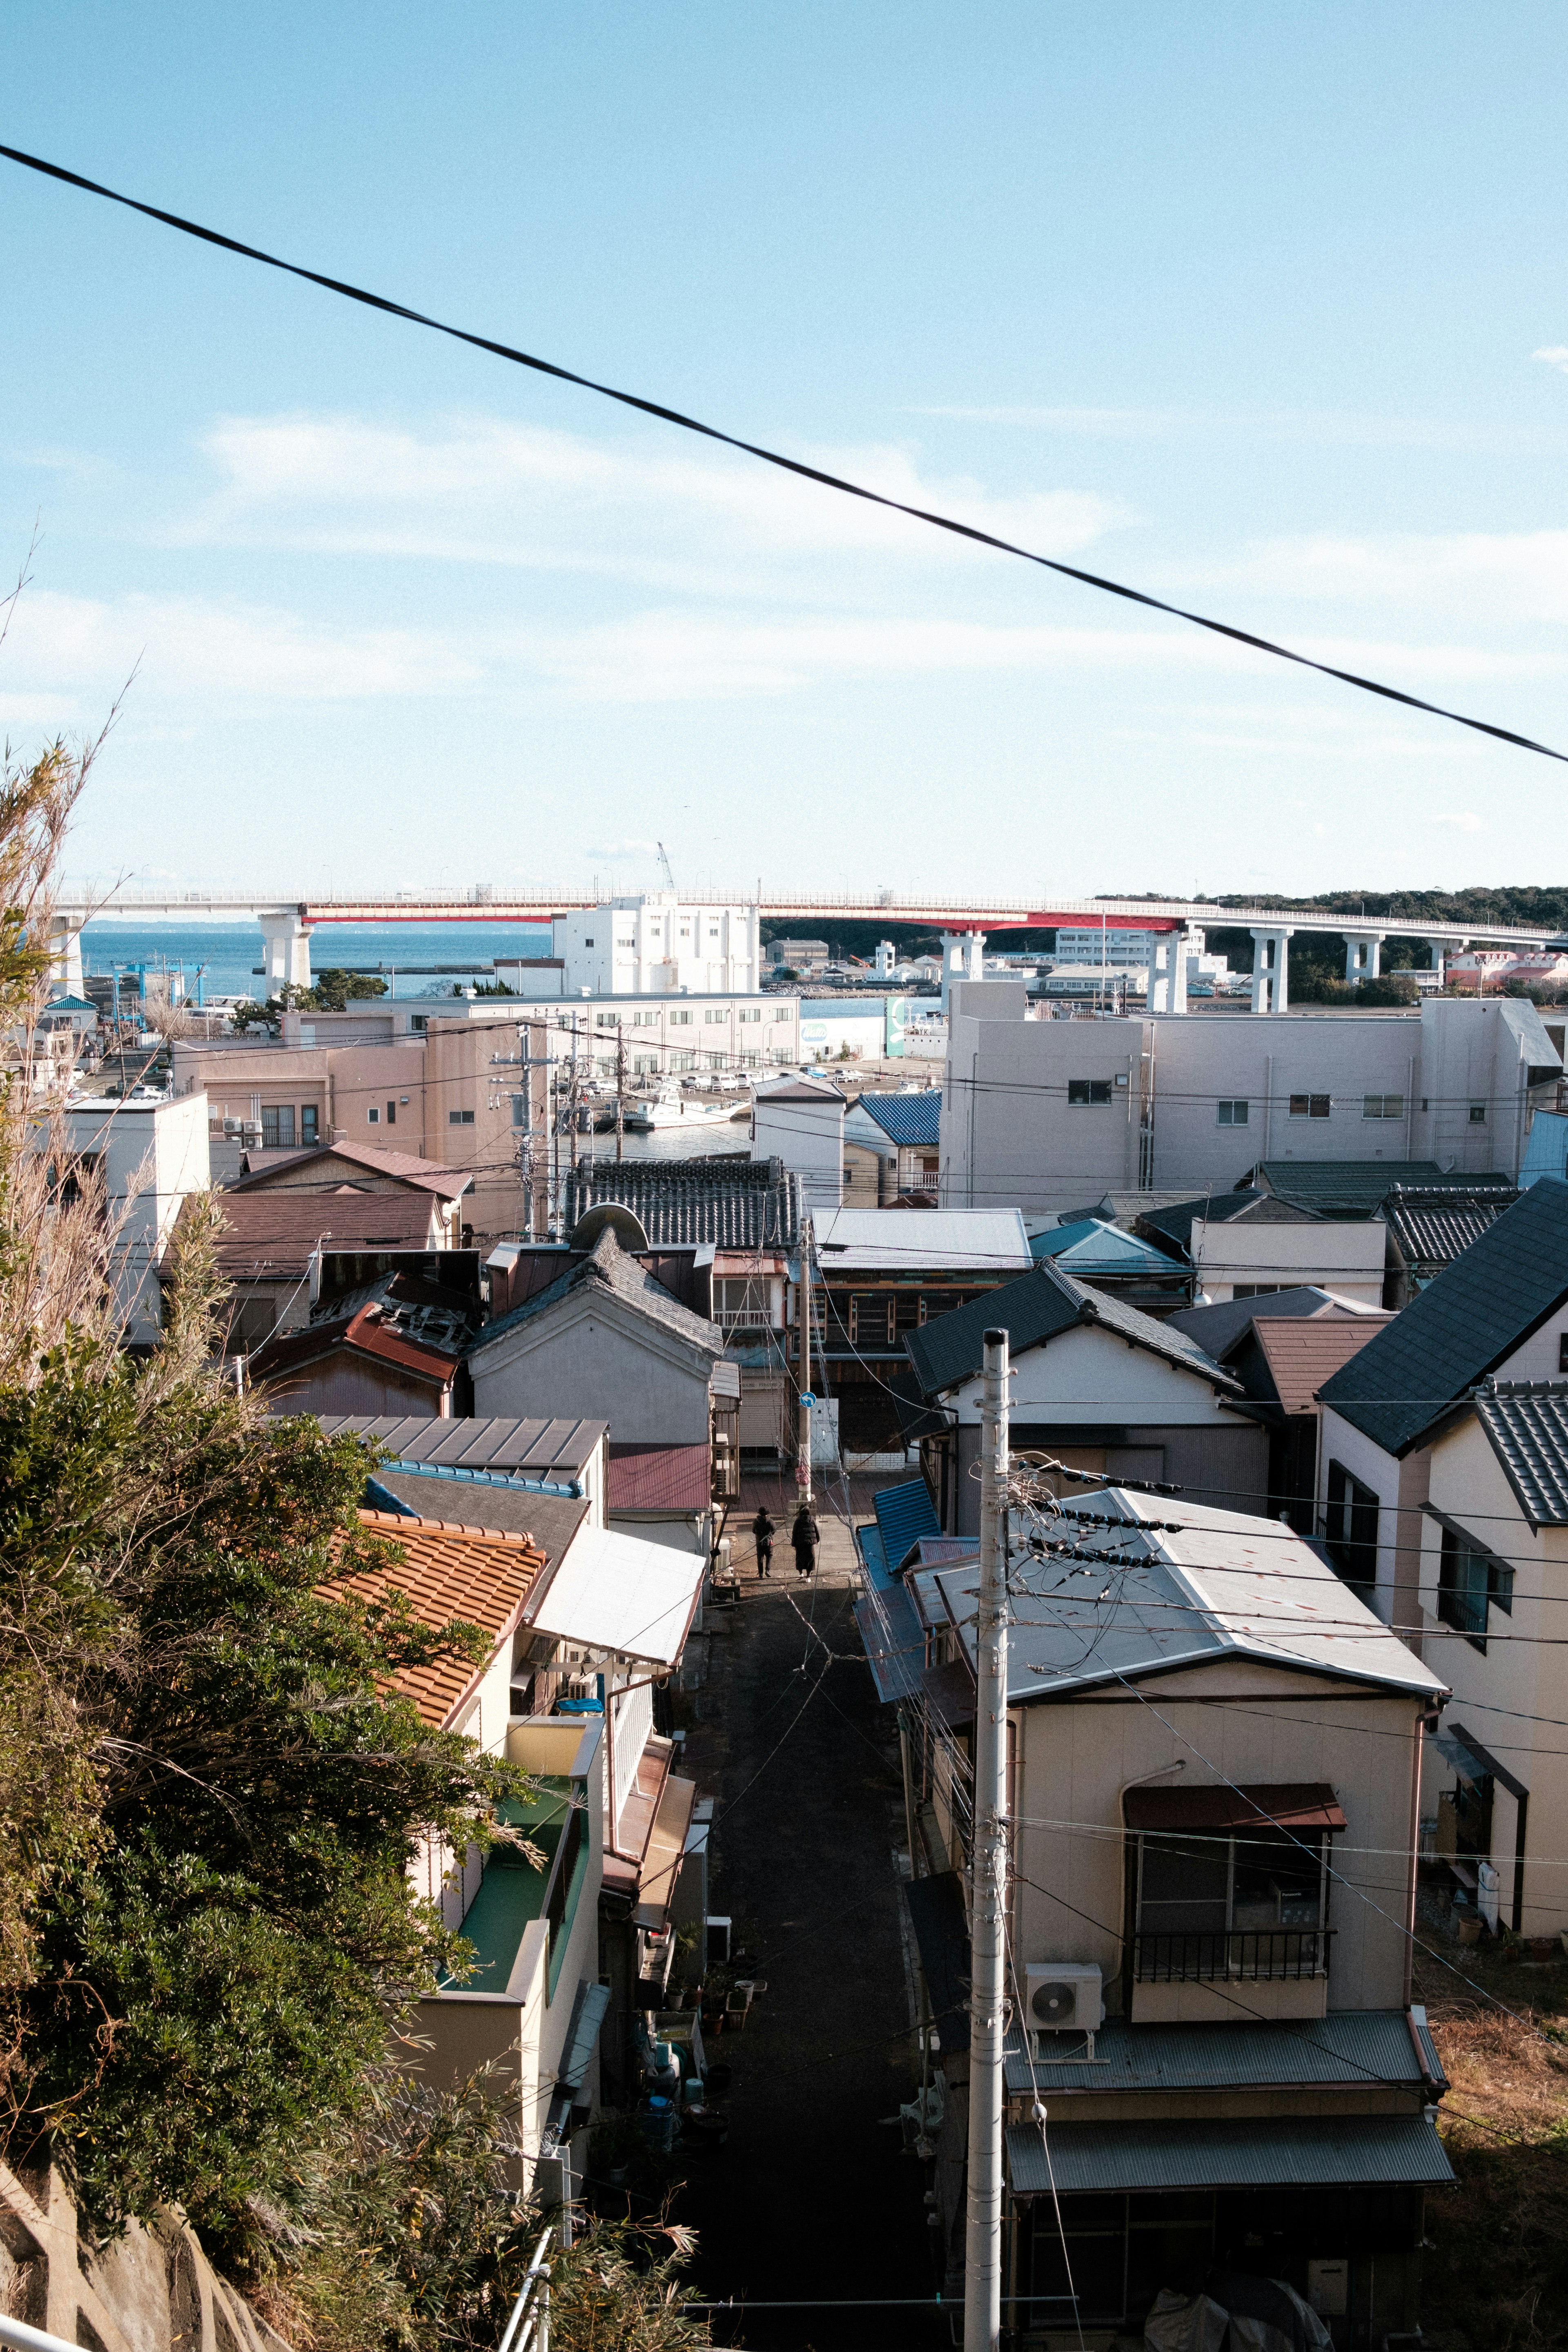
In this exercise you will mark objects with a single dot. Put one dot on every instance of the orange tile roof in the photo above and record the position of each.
(447, 1570)
(1304, 1351)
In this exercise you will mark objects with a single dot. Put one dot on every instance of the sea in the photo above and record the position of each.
(225, 958)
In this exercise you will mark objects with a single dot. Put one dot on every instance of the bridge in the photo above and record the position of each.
(286, 924)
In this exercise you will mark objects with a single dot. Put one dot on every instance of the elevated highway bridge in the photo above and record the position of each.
(286, 924)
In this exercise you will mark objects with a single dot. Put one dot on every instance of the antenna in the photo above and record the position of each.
(664, 861)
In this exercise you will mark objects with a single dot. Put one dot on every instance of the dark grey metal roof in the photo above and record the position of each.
(1462, 1326)
(608, 1268)
(535, 1449)
(1430, 1227)
(1035, 1309)
(1175, 1223)
(1252, 2152)
(733, 1203)
(1526, 1422)
(1351, 1190)
(1213, 1329)
(1347, 2047)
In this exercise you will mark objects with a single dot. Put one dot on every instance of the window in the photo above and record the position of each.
(459, 1119)
(1309, 1105)
(277, 1127)
(643, 1064)
(607, 1020)
(519, 1110)
(309, 1129)
(372, 1114)
(680, 1019)
(870, 1318)
(605, 1065)
(712, 930)
(683, 1061)
(625, 943)
(644, 1020)
(1351, 1531)
(717, 1060)
(717, 1013)
(1257, 1289)
(750, 1012)
(1383, 1106)
(392, 1114)
(1232, 1114)
(587, 943)
(1477, 1114)
(1082, 1092)
(750, 1061)
(1563, 1352)
(1248, 1902)
(1469, 1582)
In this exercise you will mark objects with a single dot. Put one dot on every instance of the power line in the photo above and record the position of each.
(666, 416)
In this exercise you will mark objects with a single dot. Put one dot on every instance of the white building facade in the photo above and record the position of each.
(650, 944)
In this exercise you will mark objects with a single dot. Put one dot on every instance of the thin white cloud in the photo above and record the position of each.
(1473, 582)
(1554, 354)
(1463, 821)
(1322, 429)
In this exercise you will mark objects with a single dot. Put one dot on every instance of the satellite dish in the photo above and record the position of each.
(1054, 2004)
(609, 1217)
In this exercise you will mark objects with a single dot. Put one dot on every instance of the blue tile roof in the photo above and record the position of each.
(1462, 1327)
(907, 1119)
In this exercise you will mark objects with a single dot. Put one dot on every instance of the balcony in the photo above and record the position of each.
(1248, 1955)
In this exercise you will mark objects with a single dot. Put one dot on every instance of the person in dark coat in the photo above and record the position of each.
(805, 1537)
(763, 1530)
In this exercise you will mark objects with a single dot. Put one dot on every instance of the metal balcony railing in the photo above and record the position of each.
(1255, 1954)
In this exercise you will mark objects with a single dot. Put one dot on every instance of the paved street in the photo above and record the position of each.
(812, 2196)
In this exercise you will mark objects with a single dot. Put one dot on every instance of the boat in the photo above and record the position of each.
(669, 1107)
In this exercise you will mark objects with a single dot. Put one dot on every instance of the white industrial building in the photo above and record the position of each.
(649, 944)
(1047, 1114)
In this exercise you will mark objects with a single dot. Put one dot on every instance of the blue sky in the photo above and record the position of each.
(1246, 305)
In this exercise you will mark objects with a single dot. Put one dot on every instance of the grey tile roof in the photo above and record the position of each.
(1526, 1422)
(1462, 1326)
(1431, 1226)
(733, 1203)
(1353, 1189)
(1034, 1310)
(608, 1267)
(1175, 1223)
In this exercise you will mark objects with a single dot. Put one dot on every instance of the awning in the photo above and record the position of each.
(582, 2033)
(1288, 1804)
(1251, 2152)
(724, 1380)
(622, 1594)
(904, 1514)
(666, 1853)
(941, 1932)
(895, 1646)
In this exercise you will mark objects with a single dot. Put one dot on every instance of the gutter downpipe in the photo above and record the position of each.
(988, 1879)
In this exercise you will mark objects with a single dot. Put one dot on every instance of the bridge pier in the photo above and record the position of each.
(1168, 973)
(962, 958)
(285, 951)
(1363, 954)
(1271, 968)
(65, 961)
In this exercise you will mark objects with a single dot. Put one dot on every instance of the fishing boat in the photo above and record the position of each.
(671, 1108)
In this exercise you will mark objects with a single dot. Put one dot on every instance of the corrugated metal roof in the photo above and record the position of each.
(478, 1442)
(904, 1514)
(1254, 2152)
(895, 1647)
(1462, 1326)
(1222, 1585)
(1304, 1351)
(909, 1120)
(981, 1241)
(1093, 1247)
(1347, 2046)
(1527, 1422)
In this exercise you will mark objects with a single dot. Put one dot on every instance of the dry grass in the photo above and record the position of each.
(1497, 2272)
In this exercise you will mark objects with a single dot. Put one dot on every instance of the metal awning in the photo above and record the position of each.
(587, 2016)
(895, 1645)
(904, 1514)
(1250, 2152)
(942, 1931)
(1284, 1804)
(665, 1854)
(622, 1595)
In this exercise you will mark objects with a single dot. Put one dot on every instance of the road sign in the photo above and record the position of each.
(807, 1398)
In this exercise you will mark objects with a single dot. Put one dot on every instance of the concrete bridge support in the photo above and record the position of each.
(65, 962)
(1168, 972)
(285, 951)
(1363, 954)
(962, 958)
(1271, 969)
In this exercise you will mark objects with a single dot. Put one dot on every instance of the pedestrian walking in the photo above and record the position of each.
(805, 1537)
(763, 1531)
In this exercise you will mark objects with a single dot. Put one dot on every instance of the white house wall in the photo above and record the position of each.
(1092, 1375)
(1344, 1258)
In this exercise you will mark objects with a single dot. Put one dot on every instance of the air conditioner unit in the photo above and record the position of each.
(1062, 1996)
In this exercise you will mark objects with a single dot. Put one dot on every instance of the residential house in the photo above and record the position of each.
(1427, 1227)
(341, 1166)
(392, 1346)
(800, 1123)
(567, 1460)
(1494, 1547)
(903, 1132)
(150, 1157)
(1046, 1112)
(1498, 1312)
(1353, 1189)
(1122, 1265)
(1282, 1361)
(1096, 1386)
(1216, 2078)
(273, 1245)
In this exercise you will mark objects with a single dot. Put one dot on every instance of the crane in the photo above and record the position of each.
(664, 861)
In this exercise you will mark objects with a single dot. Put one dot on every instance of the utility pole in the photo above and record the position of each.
(803, 1467)
(988, 1875)
(620, 1088)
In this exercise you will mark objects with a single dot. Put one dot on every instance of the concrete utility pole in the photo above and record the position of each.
(988, 1876)
(803, 1467)
(620, 1091)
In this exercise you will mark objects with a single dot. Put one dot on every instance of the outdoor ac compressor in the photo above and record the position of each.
(1062, 1996)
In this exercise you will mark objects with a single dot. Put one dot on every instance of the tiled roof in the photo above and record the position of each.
(272, 1233)
(1350, 1188)
(1462, 1326)
(734, 1204)
(447, 1570)
(1304, 1351)
(1526, 1422)
(1213, 1329)
(1034, 1310)
(549, 1522)
(399, 1167)
(1175, 1221)
(907, 1119)
(363, 1333)
(1431, 1226)
(609, 1269)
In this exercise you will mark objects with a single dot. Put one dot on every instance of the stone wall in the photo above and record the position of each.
(148, 2290)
